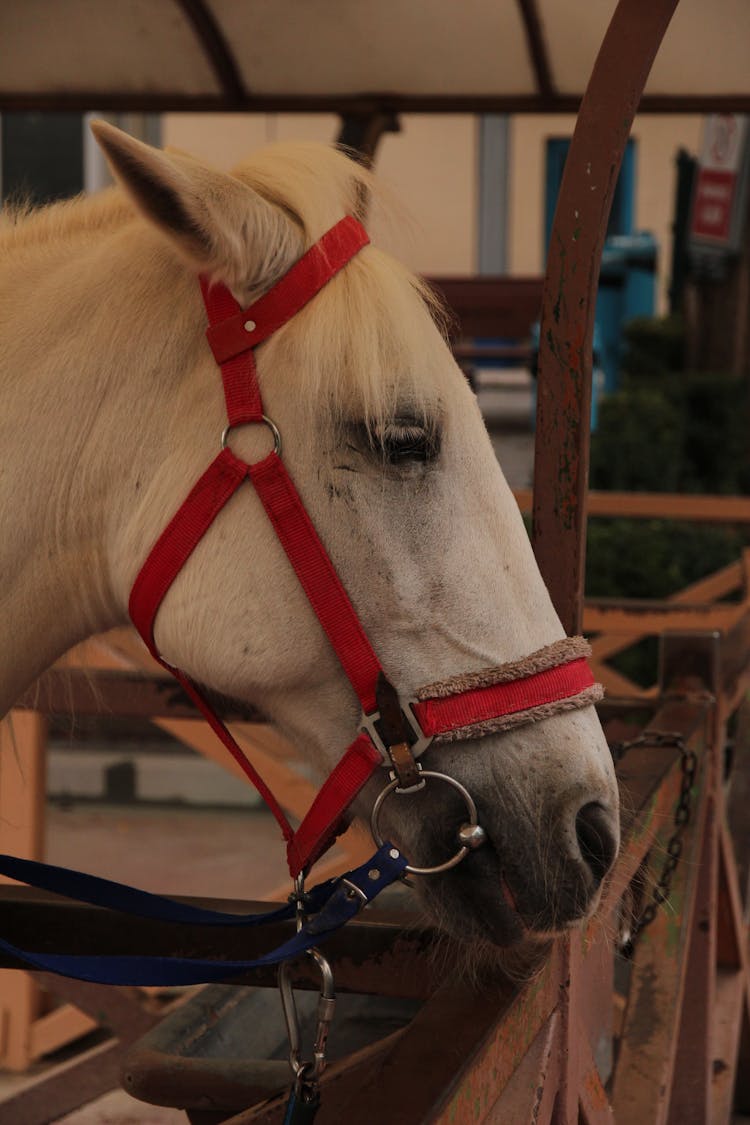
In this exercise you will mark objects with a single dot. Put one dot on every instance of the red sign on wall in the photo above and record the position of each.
(712, 205)
(715, 198)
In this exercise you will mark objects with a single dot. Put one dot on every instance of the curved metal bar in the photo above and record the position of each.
(561, 460)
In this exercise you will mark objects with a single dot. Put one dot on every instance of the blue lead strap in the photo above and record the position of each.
(130, 900)
(342, 899)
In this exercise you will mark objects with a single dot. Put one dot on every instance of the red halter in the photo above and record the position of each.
(564, 679)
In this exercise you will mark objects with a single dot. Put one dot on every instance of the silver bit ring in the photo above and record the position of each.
(463, 851)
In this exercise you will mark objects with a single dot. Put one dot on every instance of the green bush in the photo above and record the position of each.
(665, 431)
(682, 432)
(639, 442)
(654, 558)
(653, 345)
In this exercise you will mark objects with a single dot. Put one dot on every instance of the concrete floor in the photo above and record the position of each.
(179, 851)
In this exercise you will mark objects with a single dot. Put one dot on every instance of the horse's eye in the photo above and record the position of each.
(405, 440)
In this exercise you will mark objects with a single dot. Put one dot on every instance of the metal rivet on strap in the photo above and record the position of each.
(250, 326)
(394, 853)
(373, 874)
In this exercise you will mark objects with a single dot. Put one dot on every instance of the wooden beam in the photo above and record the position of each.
(645, 1065)
(177, 101)
(659, 506)
(690, 1096)
(716, 585)
(57, 1028)
(636, 618)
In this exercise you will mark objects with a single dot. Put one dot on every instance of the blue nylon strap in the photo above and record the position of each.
(119, 896)
(342, 904)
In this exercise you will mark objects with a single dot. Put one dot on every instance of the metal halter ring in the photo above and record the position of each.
(263, 418)
(472, 833)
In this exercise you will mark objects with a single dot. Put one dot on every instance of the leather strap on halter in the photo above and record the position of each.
(233, 333)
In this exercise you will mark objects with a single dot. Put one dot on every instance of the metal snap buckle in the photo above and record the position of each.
(368, 725)
(470, 835)
(308, 1071)
(268, 421)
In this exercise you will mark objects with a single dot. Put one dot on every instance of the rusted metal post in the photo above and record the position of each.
(564, 394)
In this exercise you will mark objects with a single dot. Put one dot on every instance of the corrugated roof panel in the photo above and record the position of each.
(705, 51)
(359, 47)
(130, 46)
(324, 54)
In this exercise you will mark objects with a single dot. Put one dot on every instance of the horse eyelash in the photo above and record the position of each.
(397, 441)
(409, 441)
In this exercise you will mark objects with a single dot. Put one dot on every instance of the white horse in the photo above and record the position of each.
(111, 408)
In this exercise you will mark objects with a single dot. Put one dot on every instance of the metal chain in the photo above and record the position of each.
(689, 764)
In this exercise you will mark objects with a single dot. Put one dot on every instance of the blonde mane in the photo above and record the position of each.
(23, 226)
(353, 364)
(352, 361)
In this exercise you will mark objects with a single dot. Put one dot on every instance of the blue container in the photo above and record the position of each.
(627, 288)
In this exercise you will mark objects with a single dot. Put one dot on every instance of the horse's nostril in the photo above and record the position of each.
(596, 839)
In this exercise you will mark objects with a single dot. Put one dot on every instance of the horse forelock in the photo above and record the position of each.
(364, 346)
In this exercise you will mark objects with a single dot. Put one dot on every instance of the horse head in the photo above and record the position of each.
(386, 444)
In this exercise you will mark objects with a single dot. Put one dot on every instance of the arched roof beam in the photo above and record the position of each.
(216, 50)
(537, 45)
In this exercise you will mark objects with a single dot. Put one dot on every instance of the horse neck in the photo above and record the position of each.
(80, 401)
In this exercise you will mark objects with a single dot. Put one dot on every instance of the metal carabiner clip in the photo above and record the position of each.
(309, 1071)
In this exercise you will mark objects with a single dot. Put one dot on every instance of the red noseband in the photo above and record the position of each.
(556, 678)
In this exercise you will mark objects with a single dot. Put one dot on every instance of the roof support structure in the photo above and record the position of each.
(232, 78)
(362, 132)
(13, 101)
(532, 26)
(216, 49)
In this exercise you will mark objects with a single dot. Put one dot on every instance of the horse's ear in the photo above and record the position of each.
(219, 224)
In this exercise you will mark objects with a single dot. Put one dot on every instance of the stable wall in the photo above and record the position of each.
(658, 138)
(432, 167)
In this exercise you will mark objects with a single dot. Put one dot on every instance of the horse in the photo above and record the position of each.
(110, 410)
